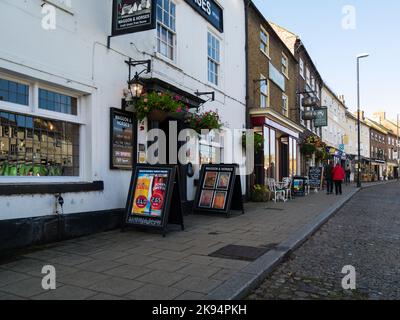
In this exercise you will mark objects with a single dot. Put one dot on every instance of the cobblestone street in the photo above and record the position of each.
(365, 233)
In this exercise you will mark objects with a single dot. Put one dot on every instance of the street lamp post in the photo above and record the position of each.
(361, 56)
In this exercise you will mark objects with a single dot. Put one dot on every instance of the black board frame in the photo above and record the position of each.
(234, 200)
(172, 200)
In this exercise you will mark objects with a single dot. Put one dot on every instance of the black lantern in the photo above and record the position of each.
(135, 85)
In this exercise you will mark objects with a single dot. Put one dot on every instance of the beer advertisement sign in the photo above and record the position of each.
(154, 198)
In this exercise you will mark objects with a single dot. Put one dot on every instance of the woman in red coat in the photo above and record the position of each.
(338, 176)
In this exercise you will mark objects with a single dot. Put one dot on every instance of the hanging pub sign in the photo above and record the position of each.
(210, 11)
(130, 16)
(321, 117)
(122, 138)
(219, 191)
(154, 199)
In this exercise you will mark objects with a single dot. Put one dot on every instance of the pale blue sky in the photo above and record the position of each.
(334, 49)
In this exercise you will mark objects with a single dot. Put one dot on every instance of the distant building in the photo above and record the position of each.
(309, 86)
(271, 99)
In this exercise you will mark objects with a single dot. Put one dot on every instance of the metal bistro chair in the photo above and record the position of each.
(288, 188)
(276, 192)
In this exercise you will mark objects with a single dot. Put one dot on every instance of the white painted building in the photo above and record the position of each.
(68, 79)
(334, 134)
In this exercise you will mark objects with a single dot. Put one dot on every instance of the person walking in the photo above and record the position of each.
(328, 177)
(338, 176)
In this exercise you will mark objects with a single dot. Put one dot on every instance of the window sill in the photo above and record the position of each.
(49, 188)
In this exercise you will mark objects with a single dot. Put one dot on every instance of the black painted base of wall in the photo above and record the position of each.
(22, 233)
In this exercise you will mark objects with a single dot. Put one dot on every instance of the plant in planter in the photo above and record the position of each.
(260, 193)
(158, 105)
(205, 121)
(258, 142)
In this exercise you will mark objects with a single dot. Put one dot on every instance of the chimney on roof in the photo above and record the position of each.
(379, 116)
(342, 100)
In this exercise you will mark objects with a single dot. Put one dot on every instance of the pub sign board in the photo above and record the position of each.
(209, 10)
(122, 139)
(219, 190)
(130, 16)
(154, 198)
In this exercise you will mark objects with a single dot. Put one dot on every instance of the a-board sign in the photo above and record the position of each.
(122, 137)
(316, 175)
(154, 199)
(299, 186)
(219, 190)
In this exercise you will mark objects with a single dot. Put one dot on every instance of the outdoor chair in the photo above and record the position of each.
(276, 191)
(288, 188)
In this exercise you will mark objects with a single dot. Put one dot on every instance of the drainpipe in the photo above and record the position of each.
(248, 122)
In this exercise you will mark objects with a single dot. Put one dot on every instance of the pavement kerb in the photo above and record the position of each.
(249, 278)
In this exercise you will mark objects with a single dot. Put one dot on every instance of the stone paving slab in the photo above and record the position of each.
(176, 267)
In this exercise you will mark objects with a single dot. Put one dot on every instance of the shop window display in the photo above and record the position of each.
(33, 146)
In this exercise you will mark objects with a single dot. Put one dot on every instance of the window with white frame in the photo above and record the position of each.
(264, 41)
(308, 76)
(166, 32)
(264, 92)
(285, 105)
(214, 59)
(301, 66)
(285, 65)
(42, 139)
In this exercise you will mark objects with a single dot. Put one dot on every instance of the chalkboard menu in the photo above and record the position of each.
(219, 191)
(154, 199)
(121, 140)
(316, 175)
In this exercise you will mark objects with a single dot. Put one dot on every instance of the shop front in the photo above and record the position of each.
(280, 155)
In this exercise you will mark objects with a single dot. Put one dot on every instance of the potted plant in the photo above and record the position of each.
(156, 106)
(205, 121)
(260, 193)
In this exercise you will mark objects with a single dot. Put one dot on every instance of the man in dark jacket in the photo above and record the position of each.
(329, 177)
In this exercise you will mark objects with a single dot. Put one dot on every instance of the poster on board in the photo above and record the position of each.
(154, 198)
(219, 190)
(122, 139)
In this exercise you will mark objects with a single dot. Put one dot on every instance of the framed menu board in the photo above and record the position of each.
(122, 140)
(154, 198)
(219, 191)
(316, 175)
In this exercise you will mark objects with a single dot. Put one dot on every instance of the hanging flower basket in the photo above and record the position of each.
(158, 105)
(157, 115)
(204, 121)
(258, 142)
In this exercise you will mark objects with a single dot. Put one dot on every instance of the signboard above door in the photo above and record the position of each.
(130, 16)
(210, 11)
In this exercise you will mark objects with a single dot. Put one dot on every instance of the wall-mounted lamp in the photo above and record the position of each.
(135, 84)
